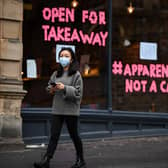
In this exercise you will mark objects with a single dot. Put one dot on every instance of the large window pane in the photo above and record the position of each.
(140, 47)
(92, 57)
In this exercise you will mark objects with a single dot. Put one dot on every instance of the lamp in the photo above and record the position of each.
(86, 69)
(130, 8)
(74, 3)
(127, 43)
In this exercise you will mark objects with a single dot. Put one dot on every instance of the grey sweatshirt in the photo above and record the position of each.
(67, 101)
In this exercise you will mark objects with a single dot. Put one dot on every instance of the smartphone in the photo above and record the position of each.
(53, 84)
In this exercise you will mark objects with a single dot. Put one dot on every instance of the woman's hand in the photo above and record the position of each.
(53, 89)
(59, 86)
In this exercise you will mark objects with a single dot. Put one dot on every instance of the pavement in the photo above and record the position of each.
(143, 152)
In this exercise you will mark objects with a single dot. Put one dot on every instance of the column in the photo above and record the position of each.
(11, 86)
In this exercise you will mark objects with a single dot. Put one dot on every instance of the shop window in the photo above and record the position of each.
(42, 55)
(134, 33)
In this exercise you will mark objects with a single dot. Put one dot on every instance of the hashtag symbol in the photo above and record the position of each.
(117, 68)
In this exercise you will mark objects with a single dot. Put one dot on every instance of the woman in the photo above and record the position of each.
(67, 87)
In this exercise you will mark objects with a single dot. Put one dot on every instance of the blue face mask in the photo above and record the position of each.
(64, 61)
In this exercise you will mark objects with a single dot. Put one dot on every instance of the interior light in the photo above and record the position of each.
(86, 69)
(130, 8)
(127, 43)
(74, 3)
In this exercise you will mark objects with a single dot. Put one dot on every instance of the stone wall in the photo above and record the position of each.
(11, 86)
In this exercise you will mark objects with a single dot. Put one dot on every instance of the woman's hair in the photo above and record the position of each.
(74, 66)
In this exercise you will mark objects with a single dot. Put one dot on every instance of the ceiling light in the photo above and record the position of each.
(130, 8)
(74, 3)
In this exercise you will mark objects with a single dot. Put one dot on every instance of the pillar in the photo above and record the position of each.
(11, 85)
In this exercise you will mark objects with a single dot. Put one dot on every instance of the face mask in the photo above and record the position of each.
(64, 61)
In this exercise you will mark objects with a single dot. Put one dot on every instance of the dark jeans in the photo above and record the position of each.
(72, 126)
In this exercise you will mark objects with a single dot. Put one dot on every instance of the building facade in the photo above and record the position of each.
(11, 85)
(121, 47)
